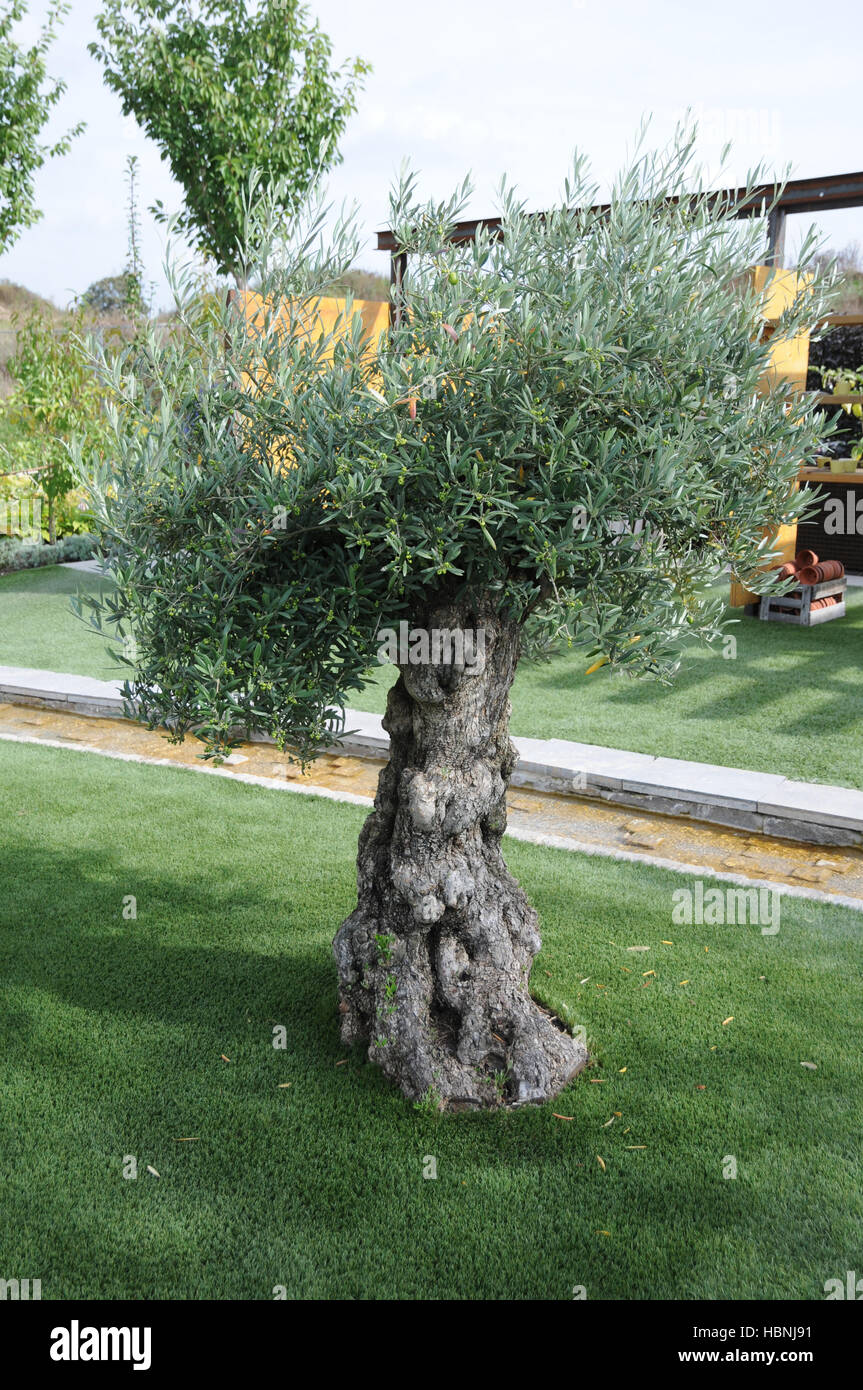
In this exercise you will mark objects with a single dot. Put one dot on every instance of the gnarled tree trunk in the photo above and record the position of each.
(434, 961)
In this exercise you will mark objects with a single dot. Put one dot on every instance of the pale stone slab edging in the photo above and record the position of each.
(762, 802)
(533, 837)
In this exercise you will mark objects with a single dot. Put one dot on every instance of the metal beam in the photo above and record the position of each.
(398, 266)
(776, 219)
(799, 195)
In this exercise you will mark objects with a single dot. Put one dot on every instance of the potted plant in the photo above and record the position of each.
(842, 383)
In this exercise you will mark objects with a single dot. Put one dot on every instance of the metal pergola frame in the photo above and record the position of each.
(824, 194)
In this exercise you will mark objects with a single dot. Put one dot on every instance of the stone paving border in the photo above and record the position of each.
(86, 566)
(761, 802)
(514, 832)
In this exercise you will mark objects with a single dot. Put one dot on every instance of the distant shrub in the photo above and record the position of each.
(21, 555)
(113, 294)
(849, 264)
(55, 397)
(363, 284)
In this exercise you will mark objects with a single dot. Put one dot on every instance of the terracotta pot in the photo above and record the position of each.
(818, 574)
(787, 571)
(804, 558)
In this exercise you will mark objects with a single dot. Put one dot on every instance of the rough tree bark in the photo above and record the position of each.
(434, 961)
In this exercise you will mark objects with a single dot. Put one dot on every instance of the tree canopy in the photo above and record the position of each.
(55, 396)
(564, 425)
(111, 294)
(225, 87)
(27, 98)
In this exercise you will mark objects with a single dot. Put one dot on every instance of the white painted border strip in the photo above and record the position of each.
(533, 837)
(249, 777)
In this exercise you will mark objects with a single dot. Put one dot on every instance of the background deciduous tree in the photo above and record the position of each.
(109, 295)
(124, 293)
(56, 396)
(27, 98)
(563, 430)
(224, 87)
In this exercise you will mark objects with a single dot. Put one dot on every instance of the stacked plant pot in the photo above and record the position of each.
(818, 598)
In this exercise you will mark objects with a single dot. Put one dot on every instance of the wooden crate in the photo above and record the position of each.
(768, 609)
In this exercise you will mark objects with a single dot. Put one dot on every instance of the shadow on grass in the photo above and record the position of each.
(822, 669)
(115, 1042)
(81, 949)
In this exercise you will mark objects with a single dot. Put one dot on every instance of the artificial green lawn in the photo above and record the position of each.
(38, 627)
(113, 1033)
(790, 702)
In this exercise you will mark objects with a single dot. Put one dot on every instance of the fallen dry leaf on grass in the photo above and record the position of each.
(224, 1058)
(188, 1139)
(562, 1117)
(601, 1162)
(813, 1066)
(282, 1084)
(638, 948)
(342, 1063)
(632, 1147)
(729, 1019)
(151, 1169)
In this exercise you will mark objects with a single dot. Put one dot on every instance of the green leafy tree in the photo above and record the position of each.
(56, 396)
(137, 303)
(563, 431)
(225, 87)
(113, 294)
(27, 98)
(125, 293)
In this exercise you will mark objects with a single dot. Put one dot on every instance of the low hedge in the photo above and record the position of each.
(22, 555)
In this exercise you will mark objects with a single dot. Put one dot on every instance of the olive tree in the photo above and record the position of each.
(561, 436)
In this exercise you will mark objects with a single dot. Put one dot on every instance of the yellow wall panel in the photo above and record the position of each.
(789, 362)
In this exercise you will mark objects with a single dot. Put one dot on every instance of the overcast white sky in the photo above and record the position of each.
(490, 86)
